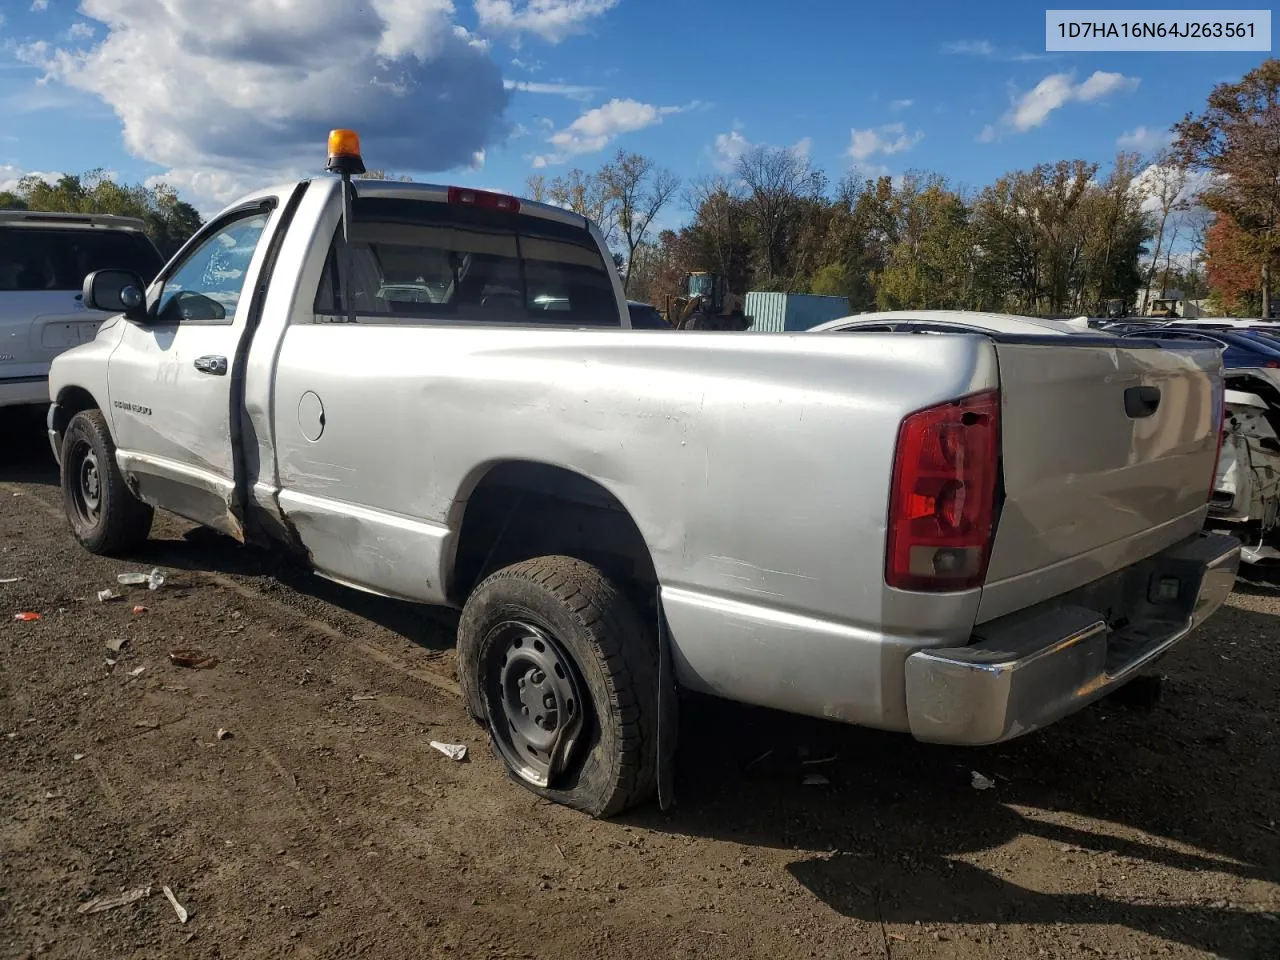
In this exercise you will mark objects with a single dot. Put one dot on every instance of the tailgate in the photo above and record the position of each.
(1108, 455)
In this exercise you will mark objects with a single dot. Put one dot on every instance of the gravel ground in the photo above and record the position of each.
(324, 825)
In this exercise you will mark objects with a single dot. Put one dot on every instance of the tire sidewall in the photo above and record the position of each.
(112, 491)
(591, 779)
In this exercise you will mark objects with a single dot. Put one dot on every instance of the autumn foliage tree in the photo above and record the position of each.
(1237, 141)
(1231, 265)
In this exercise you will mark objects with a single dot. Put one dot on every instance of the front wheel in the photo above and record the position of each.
(554, 659)
(104, 514)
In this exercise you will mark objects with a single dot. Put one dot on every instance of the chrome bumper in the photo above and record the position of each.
(1028, 670)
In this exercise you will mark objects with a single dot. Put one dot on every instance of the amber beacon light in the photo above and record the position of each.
(344, 153)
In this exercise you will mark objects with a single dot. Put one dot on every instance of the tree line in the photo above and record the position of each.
(1054, 239)
(170, 222)
(1062, 238)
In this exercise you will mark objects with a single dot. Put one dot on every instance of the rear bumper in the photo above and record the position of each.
(24, 391)
(1029, 669)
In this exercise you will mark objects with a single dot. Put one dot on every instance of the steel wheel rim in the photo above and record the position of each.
(85, 483)
(535, 699)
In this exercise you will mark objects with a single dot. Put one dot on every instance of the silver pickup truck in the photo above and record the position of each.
(964, 536)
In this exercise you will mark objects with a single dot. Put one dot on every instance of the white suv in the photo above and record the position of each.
(44, 258)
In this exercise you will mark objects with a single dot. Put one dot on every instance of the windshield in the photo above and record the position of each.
(51, 258)
(423, 259)
(700, 285)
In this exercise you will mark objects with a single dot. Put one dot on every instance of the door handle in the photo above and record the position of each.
(217, 366)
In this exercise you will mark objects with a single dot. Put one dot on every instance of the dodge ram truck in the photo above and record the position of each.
(963, 537)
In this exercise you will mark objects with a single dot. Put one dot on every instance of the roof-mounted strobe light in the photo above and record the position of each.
(345, 160)
(344, 153)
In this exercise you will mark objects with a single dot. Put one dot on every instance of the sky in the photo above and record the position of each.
(218, 98)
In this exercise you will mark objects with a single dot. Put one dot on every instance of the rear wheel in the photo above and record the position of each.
(104, 514)
(555, 661)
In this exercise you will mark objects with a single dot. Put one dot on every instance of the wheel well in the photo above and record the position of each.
(71, 400)
(521, 510)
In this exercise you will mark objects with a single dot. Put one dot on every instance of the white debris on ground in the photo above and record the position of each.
(979, 782)
(178, 908)
(454, 751)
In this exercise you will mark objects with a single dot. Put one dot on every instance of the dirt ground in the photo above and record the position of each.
(324, 825)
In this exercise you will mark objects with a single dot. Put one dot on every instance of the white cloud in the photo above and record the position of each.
(873, 171)
(592, 131)
(974, 48)
(80, 31)
(1033, 108)
(1101, 84)
(210, 190)
(571, 90)
(244, 92)
(1155, 179)
(552, 20)
(900, 104)
(1144, 139)
(989, 51)
(39, 6)
(728, 149)
(888, 139)
(10, 175)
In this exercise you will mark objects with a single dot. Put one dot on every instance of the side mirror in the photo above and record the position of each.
(116, 291)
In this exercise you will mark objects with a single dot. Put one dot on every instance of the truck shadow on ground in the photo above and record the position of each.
(1116, 809)
(202, 550)
(28, 459)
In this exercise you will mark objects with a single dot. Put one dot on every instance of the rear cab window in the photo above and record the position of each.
(421, 260)
(59, 258)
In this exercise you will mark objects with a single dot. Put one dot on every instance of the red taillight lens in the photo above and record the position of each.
(942, 502)
(483, 199)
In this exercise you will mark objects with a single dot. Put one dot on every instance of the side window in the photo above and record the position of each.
(207, 285)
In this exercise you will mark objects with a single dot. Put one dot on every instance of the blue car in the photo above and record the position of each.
(1242, 348)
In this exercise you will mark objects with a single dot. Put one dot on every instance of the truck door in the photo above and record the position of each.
(174, 406)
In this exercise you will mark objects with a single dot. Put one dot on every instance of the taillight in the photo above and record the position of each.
(483, 199)
(1219, 416)
(943, 498)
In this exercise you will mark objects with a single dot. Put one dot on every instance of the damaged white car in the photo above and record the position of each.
(1246, 493)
